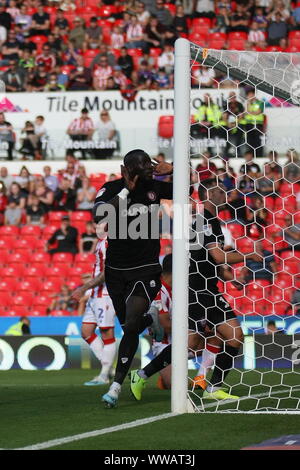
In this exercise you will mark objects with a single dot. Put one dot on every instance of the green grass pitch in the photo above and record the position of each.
(39, 406)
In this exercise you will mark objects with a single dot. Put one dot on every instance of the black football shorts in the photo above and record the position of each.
(122, 284)
(207, 309)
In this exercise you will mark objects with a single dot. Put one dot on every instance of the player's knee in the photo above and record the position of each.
(131, 327)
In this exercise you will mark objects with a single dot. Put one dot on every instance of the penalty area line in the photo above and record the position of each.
(97, 432)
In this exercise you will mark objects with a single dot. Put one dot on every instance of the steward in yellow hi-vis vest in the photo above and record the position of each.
(22, 327)
(254, 126)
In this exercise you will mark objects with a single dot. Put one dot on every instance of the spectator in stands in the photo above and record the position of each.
(3, 201)
(162, 79)
(44, 194)
(255, 34)
(80, 78)
(71, 174)
(101, 74)
(55, 43)
(77, 34)
(264, 269)
(10, 49)
(119, 78)
(5, 18)
(105, 136)
(279, 7)
(61, 22)
(143, 15)
(68, 5)
(65, 196)
(46, 58)
(35, 213)
(272, 169)
(53, 84)
(292, 166)
(27, 61)
(117, 38)
(167, 59)
(20, 328)
(236, 205)
(88, 239)
(277, 30)
(260, 18)
(3, 35)
(63, 301)
(24, 20)
(65, 237)
(70, 158)
(271, 328)
(240, 19)
(154, 33)
(86, 195)
(222, 21)
(257, 213)
(51, 181)
(104, 51)
(13, 213)
(40, 22)
(5, 178)
(7, 136)
(162, 14)
(135, 34)
(180, 21)
(14, 77)
(25, 180)
(29, 142)
(205, 76)
(295, 18)
(81, 129)
(146, 76)
(125, 61)
(37, 80)
(291, 234)
(249, 168)
(93, 35)
(111, 84)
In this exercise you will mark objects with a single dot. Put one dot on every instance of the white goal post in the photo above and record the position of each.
(275, 73)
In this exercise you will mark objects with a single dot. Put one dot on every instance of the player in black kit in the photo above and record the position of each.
(132, 271)
(207, 306)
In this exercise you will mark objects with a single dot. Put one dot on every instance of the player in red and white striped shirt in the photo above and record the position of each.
(99, 312)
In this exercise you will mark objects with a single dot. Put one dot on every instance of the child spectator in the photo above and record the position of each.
(13, 213)
(117, 38)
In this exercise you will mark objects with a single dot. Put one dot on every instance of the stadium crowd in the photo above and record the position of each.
(47, 238)
(129, 45)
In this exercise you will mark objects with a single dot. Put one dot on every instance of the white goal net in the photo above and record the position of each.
(236, 179)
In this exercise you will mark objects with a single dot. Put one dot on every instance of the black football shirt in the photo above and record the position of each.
(135, 242)
(203, 270)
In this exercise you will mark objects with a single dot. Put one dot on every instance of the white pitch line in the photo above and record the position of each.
(259, 395)
(98, 432)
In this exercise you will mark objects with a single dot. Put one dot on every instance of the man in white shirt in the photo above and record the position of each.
(105, 136)
(166, 60)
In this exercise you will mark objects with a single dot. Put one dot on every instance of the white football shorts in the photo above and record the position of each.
(100, 311)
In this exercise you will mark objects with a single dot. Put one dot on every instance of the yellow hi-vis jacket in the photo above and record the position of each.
(15, 329)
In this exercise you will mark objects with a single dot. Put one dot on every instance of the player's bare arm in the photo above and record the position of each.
(78, 293)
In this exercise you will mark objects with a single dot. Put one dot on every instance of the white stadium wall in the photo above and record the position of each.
(136, 121)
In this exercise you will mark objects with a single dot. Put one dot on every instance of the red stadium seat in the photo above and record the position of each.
(284, 280)
(76, 271)
(74, 282)
(8, 285)
(66, 258)
(27, 242)
(3, 311)
(135, 52)
(225, 215)
(19, 257)
(14, 270)
(30, 230)
(41, 257)
(81, 216)
(42, 300)
(107, 10)
(84, 258)
(5, 299)
(24, 299)
(280, 218)
(216, 40)
(198, 38)
(245, 245)
(9, 230)
(38, 311)
(201, 25)
(34, 270)
(80, 226)
(60, 313)
(39, 40)
(4, 255)
(53, 285)
(244, 306)
(291, 265)
(236, 230)
(236, 44)
(171, 7)
(32, 284)
(15, 311)
(49, 230)
(61, 271)
(166, 127)
(56, 216)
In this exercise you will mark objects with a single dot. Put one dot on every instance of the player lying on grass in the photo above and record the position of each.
(207, 307)
(132, 269)
(99, 312)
